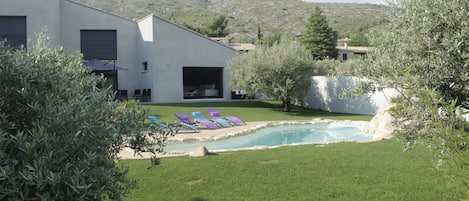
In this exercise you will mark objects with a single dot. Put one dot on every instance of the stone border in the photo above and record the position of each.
(247, 131)
(272, 124)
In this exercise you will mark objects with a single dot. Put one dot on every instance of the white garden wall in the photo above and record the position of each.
(325, 95)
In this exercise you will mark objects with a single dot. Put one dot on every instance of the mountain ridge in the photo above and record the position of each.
(273, 16)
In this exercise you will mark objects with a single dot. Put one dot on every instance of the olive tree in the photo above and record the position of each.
(282, 71)
(59, 136)
(425, 55)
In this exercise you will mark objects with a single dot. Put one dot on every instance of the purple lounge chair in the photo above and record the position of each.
(186, 119)
(235, 120)
(221, 122)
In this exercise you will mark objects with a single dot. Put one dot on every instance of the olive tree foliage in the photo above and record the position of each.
(327, 67)
(282, 71)
(425, 55)
(59, 138)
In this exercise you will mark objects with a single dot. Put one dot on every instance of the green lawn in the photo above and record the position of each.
(247, 111)
(344, 171)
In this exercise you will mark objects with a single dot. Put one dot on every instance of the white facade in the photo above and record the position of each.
(165, 48)
(325, 94)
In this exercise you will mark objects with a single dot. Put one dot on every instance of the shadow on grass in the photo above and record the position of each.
(298, 111)
(198, 199)
(249, 111)
(241, 104)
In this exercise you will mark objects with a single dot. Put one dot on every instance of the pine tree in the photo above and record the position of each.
(319, 38)
(218, 27)
(259, 32)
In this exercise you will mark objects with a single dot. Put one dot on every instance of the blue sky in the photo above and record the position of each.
(347, 1)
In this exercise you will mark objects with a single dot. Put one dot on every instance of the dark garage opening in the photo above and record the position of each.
(202, 82)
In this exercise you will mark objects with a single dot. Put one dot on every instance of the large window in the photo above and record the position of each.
(203, 82)
(13, 29)
(99, 44)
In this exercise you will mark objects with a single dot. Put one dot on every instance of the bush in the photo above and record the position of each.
(59, 135)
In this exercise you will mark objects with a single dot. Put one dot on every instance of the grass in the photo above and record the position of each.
(248, 111)
(344, 171)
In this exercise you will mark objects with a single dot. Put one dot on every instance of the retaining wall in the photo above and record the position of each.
(326, 92)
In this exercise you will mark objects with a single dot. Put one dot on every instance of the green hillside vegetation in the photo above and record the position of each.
(273, 16)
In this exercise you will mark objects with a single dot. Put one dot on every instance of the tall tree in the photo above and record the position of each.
(319, 38)
(282, 71)
(259, 32)
(425, 55)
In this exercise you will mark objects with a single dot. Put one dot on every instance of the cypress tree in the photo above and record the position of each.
(319, 38)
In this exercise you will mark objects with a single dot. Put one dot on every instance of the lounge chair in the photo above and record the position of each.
(186, 119)
(235, 120)
(155, 121)
(222, 122)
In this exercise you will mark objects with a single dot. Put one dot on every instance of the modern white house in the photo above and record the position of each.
(152, 59)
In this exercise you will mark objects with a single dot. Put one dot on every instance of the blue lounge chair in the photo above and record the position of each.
(186, 119)
(216, 115)
(198, 116)
(155, 121)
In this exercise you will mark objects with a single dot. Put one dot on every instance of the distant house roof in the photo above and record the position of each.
(354, 49)
(243, 46)
(343, 40)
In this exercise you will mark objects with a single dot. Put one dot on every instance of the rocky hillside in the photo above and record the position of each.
(274, 16)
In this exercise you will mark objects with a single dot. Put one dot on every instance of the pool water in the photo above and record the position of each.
(281, 135)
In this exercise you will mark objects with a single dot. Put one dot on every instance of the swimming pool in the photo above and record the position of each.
(280, 135)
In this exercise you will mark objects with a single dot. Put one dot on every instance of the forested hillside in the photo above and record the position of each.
(245, 16)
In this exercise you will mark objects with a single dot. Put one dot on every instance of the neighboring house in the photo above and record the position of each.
(154, 58)
(241, 47)
(349, 52)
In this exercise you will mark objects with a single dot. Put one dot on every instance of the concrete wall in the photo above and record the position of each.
(178, 47)
(39, 14)
(146, 53)
(76, 17)
(325, 94)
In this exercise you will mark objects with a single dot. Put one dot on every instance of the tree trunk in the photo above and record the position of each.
(286, 105)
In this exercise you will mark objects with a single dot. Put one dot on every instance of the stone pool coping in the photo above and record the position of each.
(250, 127)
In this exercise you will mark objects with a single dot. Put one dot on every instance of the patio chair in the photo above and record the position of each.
(122, 95)
(186, 119)
(178, 126)
(137, 94)
(222, 122)
(216, 115)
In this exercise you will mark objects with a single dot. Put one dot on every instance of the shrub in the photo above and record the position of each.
(59, 135)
